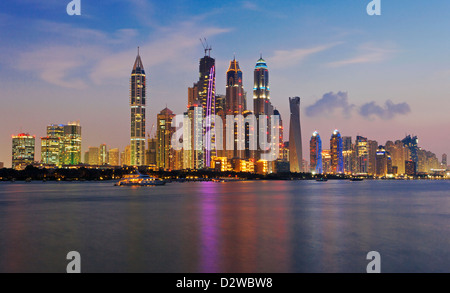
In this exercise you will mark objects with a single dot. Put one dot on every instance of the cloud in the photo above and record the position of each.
(288, 58)
(367, 53)
(388, 111)
(329, 103)
(250, 6)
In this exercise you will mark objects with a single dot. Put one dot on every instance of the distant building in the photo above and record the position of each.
(165, 130)
(295, 137)
(372, 157)
(113, 157)
(411, 142)
(71, 153)
(410, 168)
(347, 154)
(381, 162)
(315, 150)
(444, 160)
(23, 148)
(2, 165)
(151, 152)
(336, 148)
(362, 155)
(103, 155)
(94, 154)
(326, 161)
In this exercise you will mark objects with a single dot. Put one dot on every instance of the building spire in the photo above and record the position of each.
(138, 50)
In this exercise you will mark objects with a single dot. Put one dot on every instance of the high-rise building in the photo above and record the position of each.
(372, 157)
(326, 161)
(410, 168)
(295, 137)
(444, 160)
(113, 157)
(23, 146)
(362, 155)
(72, 144)
(94, 155)
(235, 105)
(411, 143)
(137, 104)
(103, 155)
(281, 134)
(151, 152)
(381, 162)
(164, 132)
(316, 154)
(51, 150)
(347, 153)
(336, 148)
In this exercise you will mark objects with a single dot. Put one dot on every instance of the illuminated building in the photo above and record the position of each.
(23, 146)
(235, 105)
(164, 152)
(113, 157)
(412, 144)
(151, 152)
(220, 164)
(362, 155)
(250, 136)
(315, 150)
(262, 105)
(281, 135)
(51, 150)
(444, 160)
(326, 161)
(336, 148)
(383, 162)
(103, 155)
(71, 152)
(262, 167)
(347, 153)
(137, 104)
(295, 137)
(372, 157)
(410, 168)
(94, 155)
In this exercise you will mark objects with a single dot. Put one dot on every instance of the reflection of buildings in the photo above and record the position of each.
(23, 146)
(295, 137)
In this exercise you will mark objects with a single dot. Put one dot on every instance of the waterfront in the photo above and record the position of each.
(253, 226)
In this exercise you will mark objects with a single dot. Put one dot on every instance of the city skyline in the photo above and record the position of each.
(357, 88)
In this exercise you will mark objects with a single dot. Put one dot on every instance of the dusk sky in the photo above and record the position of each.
(377, 76)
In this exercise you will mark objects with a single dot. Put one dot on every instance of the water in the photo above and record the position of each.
(259, 226)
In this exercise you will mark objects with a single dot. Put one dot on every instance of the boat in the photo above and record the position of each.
(139, 179)
(322, 180)
(356, 179)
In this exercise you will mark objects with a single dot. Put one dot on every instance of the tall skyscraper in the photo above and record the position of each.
(23, 148)
(72, 144)
(235, 105)
(381, 162)
(281, 134)
(347, 153)
(336, 148)
(164, 133)
(315, 150)
(295, 137)
(362, 155)
(411, 143)
(444, 160)
(137, 104)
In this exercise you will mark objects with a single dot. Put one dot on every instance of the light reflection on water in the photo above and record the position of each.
(260, 226)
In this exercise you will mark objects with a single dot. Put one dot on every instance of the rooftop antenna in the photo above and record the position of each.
(206, 47)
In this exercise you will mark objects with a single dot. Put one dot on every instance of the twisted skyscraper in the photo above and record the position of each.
(295, 137)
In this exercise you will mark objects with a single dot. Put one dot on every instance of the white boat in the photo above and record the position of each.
(139, 179)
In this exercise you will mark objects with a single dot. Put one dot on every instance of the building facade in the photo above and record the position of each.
(295, 137)
(23, 150)
(316, 165)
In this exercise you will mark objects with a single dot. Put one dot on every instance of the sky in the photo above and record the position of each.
(381, 77)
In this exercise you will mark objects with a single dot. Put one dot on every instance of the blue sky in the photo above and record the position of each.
(380, 76)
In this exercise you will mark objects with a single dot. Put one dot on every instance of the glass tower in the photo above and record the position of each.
(316, 153)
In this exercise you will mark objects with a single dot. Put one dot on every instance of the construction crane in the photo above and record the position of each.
(206, 47)
(151, 131)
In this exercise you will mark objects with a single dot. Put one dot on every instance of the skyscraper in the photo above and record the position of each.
(444, 160)
(72, 144)
(23, 146)
(94, 155)
(411, 143)
(347, 152)
(362, 155)
(103, 155)
(381, 162)
(372, 157)
(336, 148)
(164, 132)
(137, 104)
(113, 157)
(295, 136)
(315, 150)
(235, 105)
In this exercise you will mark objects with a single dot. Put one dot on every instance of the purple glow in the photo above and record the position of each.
(209, 103)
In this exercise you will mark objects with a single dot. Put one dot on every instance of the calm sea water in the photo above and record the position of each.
(259, 226)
